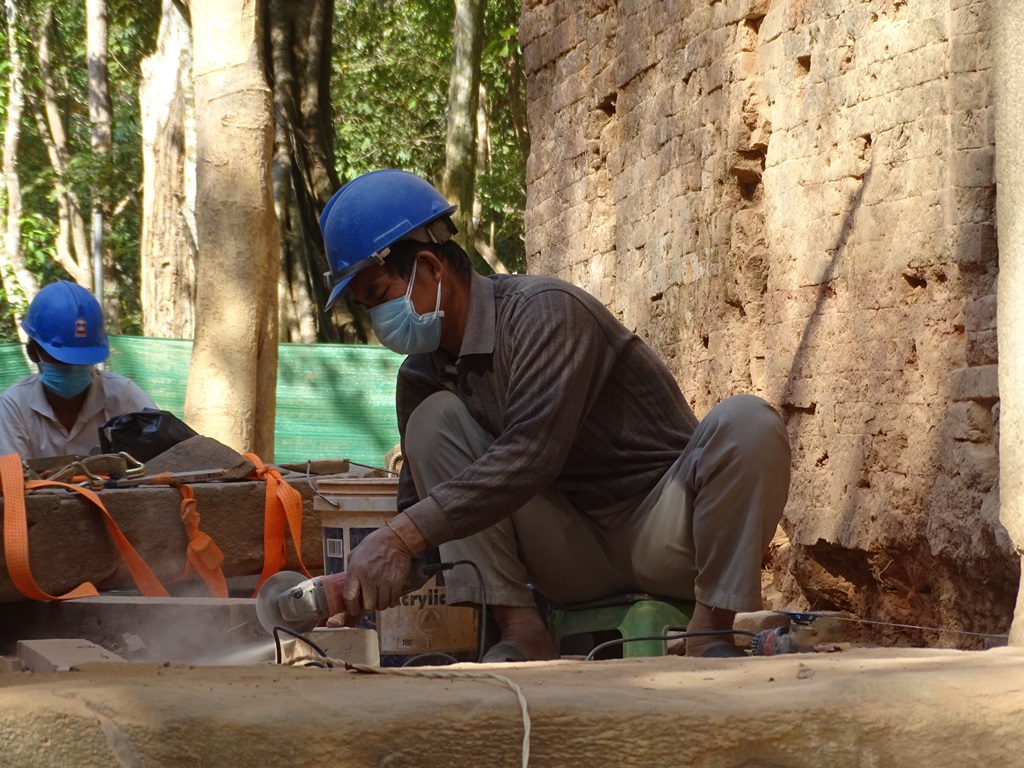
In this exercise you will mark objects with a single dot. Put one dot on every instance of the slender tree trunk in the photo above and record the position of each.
(298, 49)
(233, 376)
(168, 259)
(516, 98)
(463, 96)
(102, 142)
(72, 243)
(483, 248)
(25, 283)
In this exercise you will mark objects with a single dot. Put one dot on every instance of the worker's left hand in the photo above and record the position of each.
(377, 570)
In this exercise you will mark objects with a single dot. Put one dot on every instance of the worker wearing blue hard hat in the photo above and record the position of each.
(58, 411)
(544, 441)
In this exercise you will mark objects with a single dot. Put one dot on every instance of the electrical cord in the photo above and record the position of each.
(279, 655)
(674, 636)
(316, 491)
(455, 674)
(313, 488)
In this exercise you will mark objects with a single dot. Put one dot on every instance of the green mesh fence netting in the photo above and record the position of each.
(334, 401)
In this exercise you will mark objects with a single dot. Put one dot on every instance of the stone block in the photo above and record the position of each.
(977, 383)
(976, 244)
(970, 19)
(770, 56)
(973, 167)
(695, 56)
(985, 51)
(972, 129)
(982, 348)
(798, 44)
(548, 47)
(201, 453)
(356, 646)
(974, 206)
(970, 421)
(733, 11)
(963, 56)
(69, 543)
(61, 655)
(776, 21)
(977, 464)
(969, 91)
(981, 313)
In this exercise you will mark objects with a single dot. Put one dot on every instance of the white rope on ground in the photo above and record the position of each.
(437, 674)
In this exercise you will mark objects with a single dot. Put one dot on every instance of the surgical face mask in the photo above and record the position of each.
(65, 380)
(401, 329)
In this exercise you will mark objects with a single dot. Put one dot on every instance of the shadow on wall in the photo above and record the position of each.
(831, 576)
(934, 555)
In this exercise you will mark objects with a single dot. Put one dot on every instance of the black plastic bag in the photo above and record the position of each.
(144, 434)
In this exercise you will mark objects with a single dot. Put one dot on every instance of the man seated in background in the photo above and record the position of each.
(58, 411)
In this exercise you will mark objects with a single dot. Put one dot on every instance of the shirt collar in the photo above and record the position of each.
(478, 338)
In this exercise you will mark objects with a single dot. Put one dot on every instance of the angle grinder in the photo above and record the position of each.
(293, 601)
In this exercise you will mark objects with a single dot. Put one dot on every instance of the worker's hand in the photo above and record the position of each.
(377, 570)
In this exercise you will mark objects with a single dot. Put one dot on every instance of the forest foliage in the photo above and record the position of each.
(390, 64)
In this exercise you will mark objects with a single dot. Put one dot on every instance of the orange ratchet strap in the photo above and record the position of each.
(284, 505)
(13, 487)
(204, 556)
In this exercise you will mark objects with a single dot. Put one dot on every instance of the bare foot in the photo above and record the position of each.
(523, 628)
(706, 618)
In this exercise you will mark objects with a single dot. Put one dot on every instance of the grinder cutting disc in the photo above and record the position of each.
(268, 610)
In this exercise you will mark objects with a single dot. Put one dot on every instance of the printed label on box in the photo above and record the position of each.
(423, 621)
(334, 550)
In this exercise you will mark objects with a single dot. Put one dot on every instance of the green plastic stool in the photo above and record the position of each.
(633, 615)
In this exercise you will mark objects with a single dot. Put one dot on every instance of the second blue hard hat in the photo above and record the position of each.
(67, 322)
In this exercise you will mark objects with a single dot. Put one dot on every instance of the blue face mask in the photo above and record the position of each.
(401, 329)
(65, 380)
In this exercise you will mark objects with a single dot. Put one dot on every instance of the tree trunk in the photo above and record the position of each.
(99, 116)
(484, 249)
(72, 244)
(463, 96)
(298, 49)
(168, 258)
(517, 99)
(233, 376)
(26, 284)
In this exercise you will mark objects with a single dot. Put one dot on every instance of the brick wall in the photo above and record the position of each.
(796, 199)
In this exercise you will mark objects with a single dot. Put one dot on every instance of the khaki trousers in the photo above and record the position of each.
(700, 533)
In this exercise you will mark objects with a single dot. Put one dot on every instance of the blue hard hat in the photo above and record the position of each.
(67, 322)
(373, 212)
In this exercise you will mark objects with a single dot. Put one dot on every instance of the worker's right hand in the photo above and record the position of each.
(377, 570)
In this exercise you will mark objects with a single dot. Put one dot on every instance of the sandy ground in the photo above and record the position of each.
(858, 708)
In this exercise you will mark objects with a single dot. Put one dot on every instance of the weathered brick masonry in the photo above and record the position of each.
(796, 198)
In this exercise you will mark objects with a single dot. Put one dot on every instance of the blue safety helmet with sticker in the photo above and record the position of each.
(373, 212)
(67, 322)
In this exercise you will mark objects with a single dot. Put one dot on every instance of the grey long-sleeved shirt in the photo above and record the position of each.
(575, 401)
